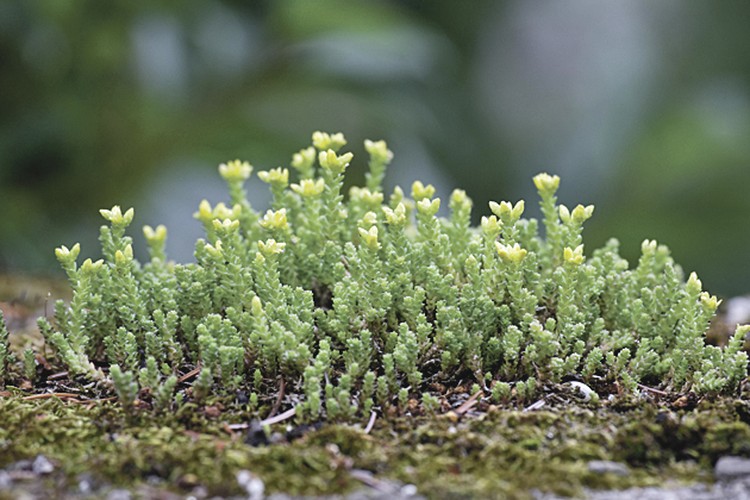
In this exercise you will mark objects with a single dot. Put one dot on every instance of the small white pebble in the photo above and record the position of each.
(252, 484)
(42, 465)
(408, 490)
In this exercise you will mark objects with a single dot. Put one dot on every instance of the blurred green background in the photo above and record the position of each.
(642, 107)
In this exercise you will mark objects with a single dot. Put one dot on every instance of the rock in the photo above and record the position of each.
(731, 467)
(608, 467)
(737, 311)
(252, 484)
(42, 465)
(119, 494)
(5, 480)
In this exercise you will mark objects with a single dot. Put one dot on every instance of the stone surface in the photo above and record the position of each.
(608, 467)
(731, 467)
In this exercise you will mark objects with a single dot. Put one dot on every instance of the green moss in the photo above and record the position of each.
(500, 452)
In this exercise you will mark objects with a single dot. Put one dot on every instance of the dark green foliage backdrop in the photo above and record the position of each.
(643, 109)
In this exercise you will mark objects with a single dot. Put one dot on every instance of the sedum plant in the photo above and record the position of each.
(342, 306)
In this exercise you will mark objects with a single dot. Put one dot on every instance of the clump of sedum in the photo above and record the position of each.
(367, 302)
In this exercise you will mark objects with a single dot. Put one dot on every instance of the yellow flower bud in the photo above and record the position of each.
(216, 250)
(256, 306)
(369, 219)
(506, 212)
(648, 247)
(271, 247)
(459, 198)
(204, 213)
(573, 256)
(367, 196)
(419, 191)
(116, 217)
(425, 206)
(693, 285)
(491, 226)
(564, 214)
(378, 151)
(511, 254)
(309, 187)
(323, 141)
(158, 235)
(709, 301)
(278, 177)
(546, 183)
(124, 256)
(275, 220)
(90, 267)
(370, 238)
(227, 225)
(304, 159)
(221, 211)
(395, 217)
(329, 160)
(236, 170)
(64, 254)
(581, 214)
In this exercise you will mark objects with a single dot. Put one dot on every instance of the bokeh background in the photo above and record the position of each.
(642, 107)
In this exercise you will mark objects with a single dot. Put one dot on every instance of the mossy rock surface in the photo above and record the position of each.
(487, 452)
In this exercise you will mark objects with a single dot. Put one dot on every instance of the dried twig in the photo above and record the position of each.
(651, 389)
(279, 398)
(279, 418)
(468, 404)
(56, 376)
(60, 395)
(536, 405)
(192, 373)
(371, 423)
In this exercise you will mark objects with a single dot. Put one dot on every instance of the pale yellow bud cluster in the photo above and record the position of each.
(491, 226)
(710, 302)
(304, 159)
(510, 254)
(158, 235)
(693, 285)
(573, 256)
(459, 197)
(271, 247)
(91, 267)
(64, 254)
(428, 207)
(276, 177)
(370, 238)
(206, 214)
(124, 256)
(116, 217)
(378, 151)
(225, 225)
(275, 219)
(235, 170)
(419, 191)
(368, 197)
(579, 215)
(397, 216)
(546, 184)
(216, 250)
(323, 141)
(329, 160)
(506, 212)
(309, 187)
